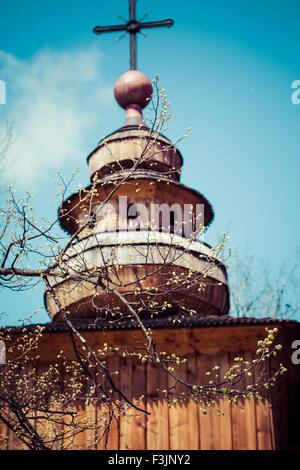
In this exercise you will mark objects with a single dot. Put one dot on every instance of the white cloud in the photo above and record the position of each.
(56, 101)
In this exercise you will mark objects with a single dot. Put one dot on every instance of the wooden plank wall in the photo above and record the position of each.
(245, 425)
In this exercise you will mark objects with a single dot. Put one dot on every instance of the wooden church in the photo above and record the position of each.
(133, 169)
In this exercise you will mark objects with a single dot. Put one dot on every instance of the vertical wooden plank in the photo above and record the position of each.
(279, 394)
(13, 442)
(153, 420)
(3, 436)
(90, 434)
(152, 407)
(216, 425)
(69, 439)
(80, 438)
(56, 430)
(264, 440)
(178, 413)
(26, 376)
(192, 408)
(207, 436)
(225, 439)
(43, 427)
(220, 425)
(158, 420)
(133, 424)
(102, 411)
(113, 443)
(49, 429)
(263, 420)
(125, 386)
(138, 397)
(100, 414)
(163, 412)
(59, 427)
(243, 414)
(249, 407)
(238, 415)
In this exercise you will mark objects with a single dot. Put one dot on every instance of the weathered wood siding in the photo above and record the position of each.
(248, 424)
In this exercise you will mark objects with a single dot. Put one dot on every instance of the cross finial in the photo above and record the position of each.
(133, 27)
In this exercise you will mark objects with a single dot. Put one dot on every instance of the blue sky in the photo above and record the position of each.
(227, 66)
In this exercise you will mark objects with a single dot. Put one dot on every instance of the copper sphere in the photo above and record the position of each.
(133, 87)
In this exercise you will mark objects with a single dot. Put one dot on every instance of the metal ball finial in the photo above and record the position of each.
(133, 87)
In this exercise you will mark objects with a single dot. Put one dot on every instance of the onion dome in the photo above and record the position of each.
(150, 222)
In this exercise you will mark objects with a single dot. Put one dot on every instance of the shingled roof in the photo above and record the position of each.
(195, 321)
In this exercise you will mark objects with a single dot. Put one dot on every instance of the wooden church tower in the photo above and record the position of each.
(132, 259)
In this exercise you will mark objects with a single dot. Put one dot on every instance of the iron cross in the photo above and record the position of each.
(133, 27)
